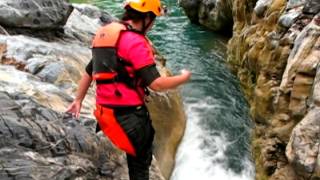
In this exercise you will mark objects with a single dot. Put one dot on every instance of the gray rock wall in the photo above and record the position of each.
(37, 14)
(275, 53)
(213, 14)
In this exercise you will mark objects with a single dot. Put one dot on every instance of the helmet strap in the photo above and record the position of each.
(146, 26)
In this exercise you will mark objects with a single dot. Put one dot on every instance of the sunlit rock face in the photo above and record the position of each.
(275, 53)
(169, 120)
(213, 14)
(36, 14)
(39, 75)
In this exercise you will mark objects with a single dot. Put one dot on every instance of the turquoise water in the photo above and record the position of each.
(216, 143)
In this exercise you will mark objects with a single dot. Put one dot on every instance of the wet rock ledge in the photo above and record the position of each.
(44, 47)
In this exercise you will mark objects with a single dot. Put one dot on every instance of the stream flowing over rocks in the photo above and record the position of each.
(275, 52)
(44, 47)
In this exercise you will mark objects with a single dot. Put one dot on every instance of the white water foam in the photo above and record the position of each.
(196, 161)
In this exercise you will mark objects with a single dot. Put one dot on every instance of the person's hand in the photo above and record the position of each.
(74, 108)
(186, 74)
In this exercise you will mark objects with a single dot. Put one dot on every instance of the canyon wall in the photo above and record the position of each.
(275, 52)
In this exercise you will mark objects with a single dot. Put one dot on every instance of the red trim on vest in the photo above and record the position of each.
(104, 76)
(112, 129)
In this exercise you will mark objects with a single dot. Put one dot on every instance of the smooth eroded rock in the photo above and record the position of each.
(295, 3)
(289, 18)
(261, 7)
(84, 21)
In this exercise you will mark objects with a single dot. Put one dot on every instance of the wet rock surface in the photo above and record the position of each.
(39, 73)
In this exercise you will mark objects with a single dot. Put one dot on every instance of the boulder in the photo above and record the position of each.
(261, 7)
(84, 22)
(93, 12)
(36, 14)
(303, 148)
(54, 62)
(289, 18)
(312, 7)
(191, 8)
(295, 3)
(214, 14)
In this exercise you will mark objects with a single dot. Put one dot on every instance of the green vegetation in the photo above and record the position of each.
(79, 1)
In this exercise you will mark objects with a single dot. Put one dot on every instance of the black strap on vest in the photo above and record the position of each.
(122, 75)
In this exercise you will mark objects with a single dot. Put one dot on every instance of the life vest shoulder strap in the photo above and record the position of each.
(108, 35)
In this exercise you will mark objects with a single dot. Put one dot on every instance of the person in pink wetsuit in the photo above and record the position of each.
(123, 66)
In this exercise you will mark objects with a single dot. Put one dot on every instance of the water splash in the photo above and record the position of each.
(202, 153)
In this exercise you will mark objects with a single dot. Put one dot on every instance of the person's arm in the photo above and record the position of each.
(165, 83)
(151, 78)
(141, 56)
(84, 84)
